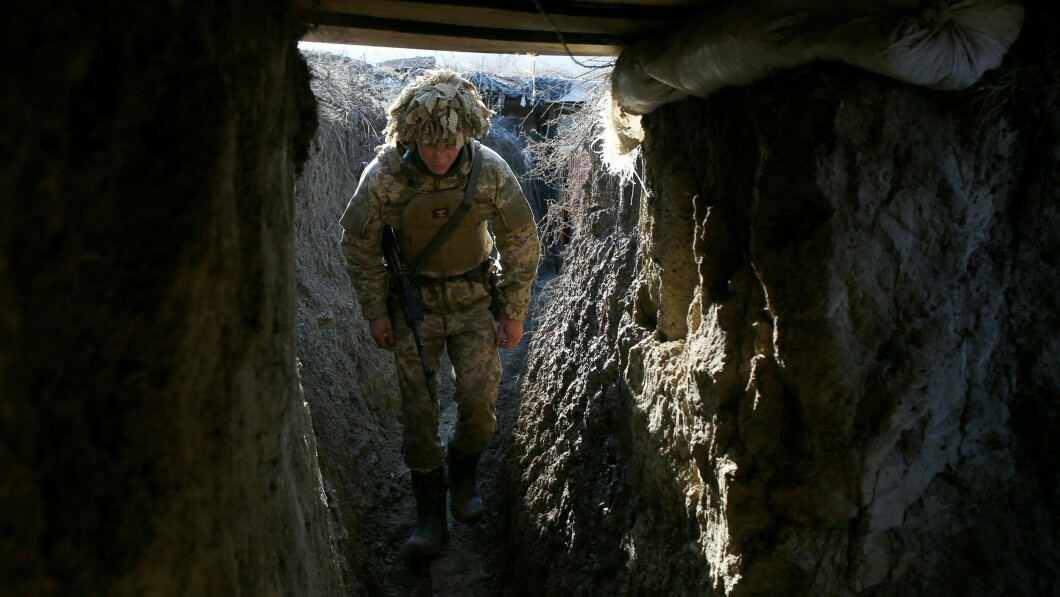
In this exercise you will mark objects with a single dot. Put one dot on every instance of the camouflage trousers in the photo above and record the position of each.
(468, 336)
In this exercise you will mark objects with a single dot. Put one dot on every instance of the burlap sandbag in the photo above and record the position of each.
(944, 44)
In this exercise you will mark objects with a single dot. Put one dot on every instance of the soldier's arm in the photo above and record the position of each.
(362, 225)
(517, 243)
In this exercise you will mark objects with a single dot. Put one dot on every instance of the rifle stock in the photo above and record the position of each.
(401, 285)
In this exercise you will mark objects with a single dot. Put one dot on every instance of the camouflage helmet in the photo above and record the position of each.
(438, 108)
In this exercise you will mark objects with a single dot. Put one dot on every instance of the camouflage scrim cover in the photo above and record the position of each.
(438, 108)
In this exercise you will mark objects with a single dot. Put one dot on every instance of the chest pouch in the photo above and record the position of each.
(466, 247)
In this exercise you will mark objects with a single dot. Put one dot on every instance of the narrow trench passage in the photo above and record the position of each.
(473, 563)
(351, 386)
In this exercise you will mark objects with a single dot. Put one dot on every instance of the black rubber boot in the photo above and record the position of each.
(464, 500)
(432, 531)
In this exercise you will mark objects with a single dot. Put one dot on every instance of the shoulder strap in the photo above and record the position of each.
(454, 221)
(391, 158)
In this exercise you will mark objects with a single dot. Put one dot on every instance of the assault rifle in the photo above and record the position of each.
(401, 285)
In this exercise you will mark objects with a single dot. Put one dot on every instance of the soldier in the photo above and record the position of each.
(415, 185)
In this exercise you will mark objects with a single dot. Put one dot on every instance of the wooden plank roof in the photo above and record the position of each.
(544, 27)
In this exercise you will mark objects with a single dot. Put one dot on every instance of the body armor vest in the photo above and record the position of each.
(425, 214)
(465, 249)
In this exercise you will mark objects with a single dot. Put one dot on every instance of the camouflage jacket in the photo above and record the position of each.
(380, 199)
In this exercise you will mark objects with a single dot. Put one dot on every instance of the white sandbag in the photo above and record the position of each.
(622, 134)
(946, 47)
(946, 44)
(635, 90)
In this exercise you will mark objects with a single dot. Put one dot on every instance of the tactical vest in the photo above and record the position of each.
(425, 214)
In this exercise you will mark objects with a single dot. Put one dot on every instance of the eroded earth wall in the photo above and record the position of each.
(348, 383)
(153, 437)
(818, 355)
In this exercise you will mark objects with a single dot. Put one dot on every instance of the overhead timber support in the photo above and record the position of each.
(584, 27)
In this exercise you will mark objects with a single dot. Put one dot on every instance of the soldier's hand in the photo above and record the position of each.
(509, 332)
(382, 332)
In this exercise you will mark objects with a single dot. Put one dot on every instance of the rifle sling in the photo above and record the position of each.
(454, 221)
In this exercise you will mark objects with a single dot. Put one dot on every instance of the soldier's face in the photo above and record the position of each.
(439, 158)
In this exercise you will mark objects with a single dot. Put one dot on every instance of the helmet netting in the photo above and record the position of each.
(438, 108)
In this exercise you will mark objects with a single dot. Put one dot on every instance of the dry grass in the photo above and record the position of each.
(564, 159)
(352, 97)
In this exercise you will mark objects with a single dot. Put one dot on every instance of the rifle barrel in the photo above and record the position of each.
(402, 285)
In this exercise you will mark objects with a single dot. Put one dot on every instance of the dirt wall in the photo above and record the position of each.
(153, 437)
(347, 381)
(816, 356)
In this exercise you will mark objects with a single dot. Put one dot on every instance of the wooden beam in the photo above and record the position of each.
(603, 3)
(495, 37)
(588, 27)
(402, 39)
(522, 15)
(661, 10)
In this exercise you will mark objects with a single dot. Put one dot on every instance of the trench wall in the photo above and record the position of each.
(815, 354)
(348, 382)
(153, 435)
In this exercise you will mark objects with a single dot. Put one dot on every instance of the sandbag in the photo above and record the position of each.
(943, 44)
(622, 134)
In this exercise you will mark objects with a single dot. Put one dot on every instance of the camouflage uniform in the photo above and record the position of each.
(456, 307)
